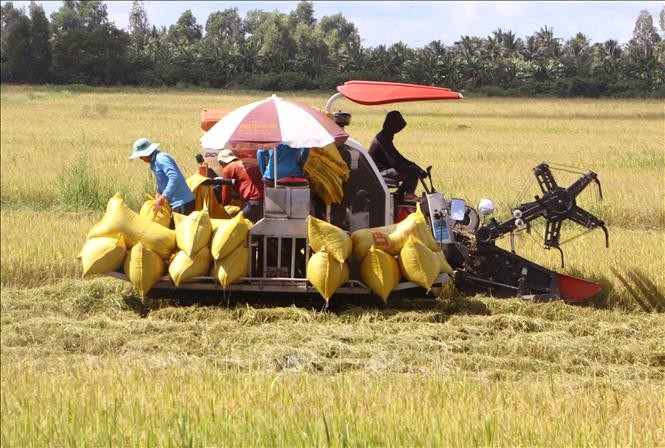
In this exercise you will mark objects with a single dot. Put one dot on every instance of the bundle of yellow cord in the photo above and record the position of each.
(326, 170)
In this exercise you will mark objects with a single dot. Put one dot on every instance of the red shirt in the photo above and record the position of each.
(249, 182)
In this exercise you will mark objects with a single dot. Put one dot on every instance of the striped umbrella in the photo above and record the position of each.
(273, 121)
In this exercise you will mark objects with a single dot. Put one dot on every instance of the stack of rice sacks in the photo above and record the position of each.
(405, 249)
(141, 243)
(192, 234)
(229, 249)
(327, 269)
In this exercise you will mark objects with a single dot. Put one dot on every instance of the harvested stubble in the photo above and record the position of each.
(88, 363)
(80, 365)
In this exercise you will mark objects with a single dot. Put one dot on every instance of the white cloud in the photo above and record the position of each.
(506, 10)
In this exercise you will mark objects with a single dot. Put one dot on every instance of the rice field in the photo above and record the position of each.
(90, 363)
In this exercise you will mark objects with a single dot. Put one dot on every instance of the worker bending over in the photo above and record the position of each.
(248, 183)
(171, 184)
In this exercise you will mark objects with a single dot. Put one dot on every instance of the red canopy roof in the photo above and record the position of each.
(376, 92)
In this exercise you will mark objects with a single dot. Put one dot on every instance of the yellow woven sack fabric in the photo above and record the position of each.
(101, 230)
(230, 234)
(391, 238)
(204, 197)
(418, 263)
(232, 210)
(327, 237)
(233, 267)
(380, 271)
(215, 224)
(195, 180)
(183, 267)
(379, 237)
(143, 268)
(102, 254)
(443, 263)
(326, 274)
(415, 224)
(119, 219)
(192, 232)
(162, 217)
(201, 194)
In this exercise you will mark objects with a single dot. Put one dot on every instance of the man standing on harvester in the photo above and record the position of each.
(248, 183)
(171, 184)
(390, 162)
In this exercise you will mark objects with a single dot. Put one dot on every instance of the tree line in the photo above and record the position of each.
(295, 51)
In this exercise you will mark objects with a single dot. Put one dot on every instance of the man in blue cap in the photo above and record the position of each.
(171, 184)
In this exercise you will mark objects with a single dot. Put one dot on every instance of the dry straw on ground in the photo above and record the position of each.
(88, 363)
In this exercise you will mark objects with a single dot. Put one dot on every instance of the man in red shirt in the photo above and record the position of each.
(248, 183)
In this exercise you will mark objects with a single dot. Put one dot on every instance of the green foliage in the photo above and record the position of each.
(79, 189)
(97, 57)
(40, 46)
(18, 54)
(260, 50)
(279, 81)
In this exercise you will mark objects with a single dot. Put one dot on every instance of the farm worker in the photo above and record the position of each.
(289, 163)
(390, 162)
(171, 184)
(248, 183)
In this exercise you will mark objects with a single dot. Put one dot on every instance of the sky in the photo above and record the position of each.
(417, 23)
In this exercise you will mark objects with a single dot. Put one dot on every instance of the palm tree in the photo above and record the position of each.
(511, 45)
(548, 45)
(468, 46)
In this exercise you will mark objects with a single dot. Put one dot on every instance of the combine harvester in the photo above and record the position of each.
(279, 247)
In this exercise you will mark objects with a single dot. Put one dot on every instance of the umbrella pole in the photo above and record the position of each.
(328, 209)
(274, 160)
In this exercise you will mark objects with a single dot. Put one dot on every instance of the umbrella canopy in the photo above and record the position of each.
(273, 121)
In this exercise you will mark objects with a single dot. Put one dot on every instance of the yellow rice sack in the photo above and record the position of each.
(380, 271)
(102, 254)
(100, 230)
(230, 234)
(326, 274)
(192, 232)
(204, 196)
(415, 224)
(233, 267)
(183, 267)
(443, 263)
(379, 237)
(143, 268)
(119, 219)
(161, 217)
(418, 263)
(391, 238)
(216, 223)
(324, 236)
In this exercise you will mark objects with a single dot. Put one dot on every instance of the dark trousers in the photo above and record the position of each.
(408, 184)
(253, 210)
(185, 209)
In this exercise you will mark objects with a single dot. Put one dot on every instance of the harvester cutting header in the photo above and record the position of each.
(334, 218)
